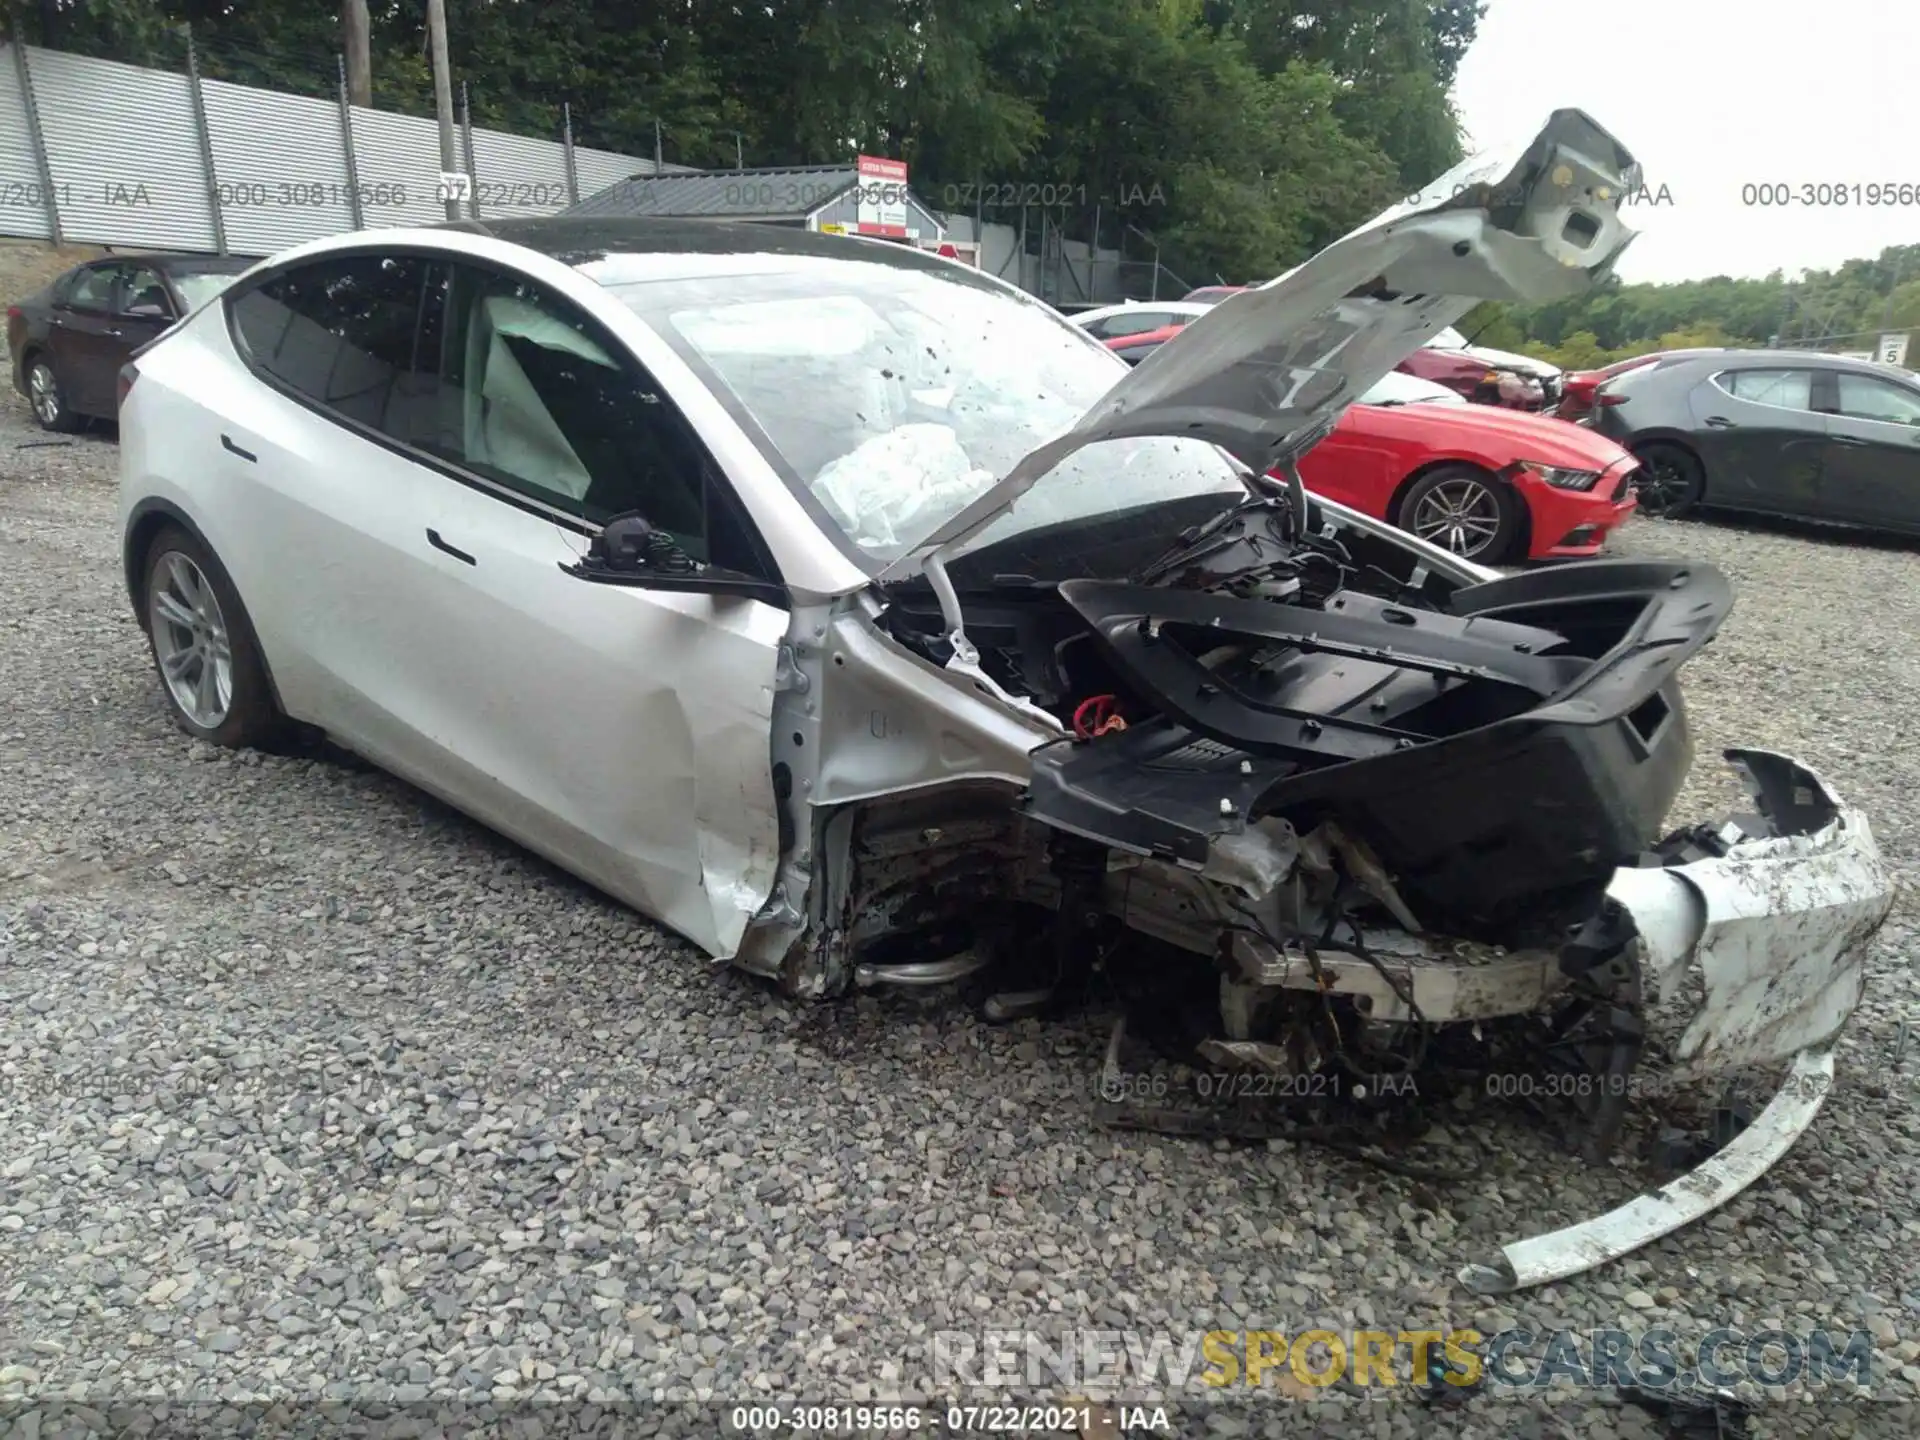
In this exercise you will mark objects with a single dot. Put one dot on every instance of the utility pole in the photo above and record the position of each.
(656, 147)
(359, 45)
(443, 94)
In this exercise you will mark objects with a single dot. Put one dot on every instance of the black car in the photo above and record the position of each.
(1782, 432)
(69, 340)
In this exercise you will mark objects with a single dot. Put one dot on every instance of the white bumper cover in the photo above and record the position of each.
(1780, 926)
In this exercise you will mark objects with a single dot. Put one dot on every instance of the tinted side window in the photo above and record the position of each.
(145, 293)
(546, 403)
(339, 331)
(1788, 389)
(1867, 398)
(93, 289)
(1137, 323)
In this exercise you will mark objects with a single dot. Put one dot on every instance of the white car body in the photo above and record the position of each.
(793, 728)
(1137, 317)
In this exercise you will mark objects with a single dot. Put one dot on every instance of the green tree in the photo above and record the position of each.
(1241, 134)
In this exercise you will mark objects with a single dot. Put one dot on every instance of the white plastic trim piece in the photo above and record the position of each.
(1680, 1202)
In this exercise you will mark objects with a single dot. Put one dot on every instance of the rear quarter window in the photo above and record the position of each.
(339, 332)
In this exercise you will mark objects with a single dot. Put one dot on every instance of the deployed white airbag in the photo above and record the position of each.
(896, 485)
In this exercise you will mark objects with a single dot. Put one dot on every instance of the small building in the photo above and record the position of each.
(869, 196)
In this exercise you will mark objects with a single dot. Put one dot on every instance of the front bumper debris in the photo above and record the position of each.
(1641, 1221)
(1779, 922)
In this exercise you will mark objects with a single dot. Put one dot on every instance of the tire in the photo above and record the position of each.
(1463, 509)
(203, 646)
(1672, 480)
(47, 398)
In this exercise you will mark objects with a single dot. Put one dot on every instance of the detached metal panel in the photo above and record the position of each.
(281, 167)
(124, 150)
(518, 175)
(398, 158)
(23, 202)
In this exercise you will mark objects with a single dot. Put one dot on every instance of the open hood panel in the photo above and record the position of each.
(1266, 373)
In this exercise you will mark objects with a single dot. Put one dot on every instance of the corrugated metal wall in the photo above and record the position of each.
(598, 169)
(124, 150)
(124, 146)
(283, 183)
(514, 175)
(23, 211)
(398, 157)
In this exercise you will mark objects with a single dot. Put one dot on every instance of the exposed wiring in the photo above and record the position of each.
(1097, 715)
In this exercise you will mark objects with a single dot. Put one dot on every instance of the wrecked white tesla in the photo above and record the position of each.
(868, 624)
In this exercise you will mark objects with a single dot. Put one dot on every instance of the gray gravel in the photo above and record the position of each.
(309, 1087)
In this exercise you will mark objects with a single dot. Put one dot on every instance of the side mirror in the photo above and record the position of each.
(629, 551)
(145, 310)
(628, 544)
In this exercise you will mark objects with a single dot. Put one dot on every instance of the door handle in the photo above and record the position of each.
(1721, 422)
(433, 539)
(226, 443)
(1849, 441)
(117, 334)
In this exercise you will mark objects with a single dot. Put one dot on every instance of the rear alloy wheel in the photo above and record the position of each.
(203, 645)
(48, 400)
(1670, 483)
(1462, 509)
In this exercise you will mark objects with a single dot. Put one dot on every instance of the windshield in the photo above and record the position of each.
(197, 288)
(893, 397)
(1396, 388)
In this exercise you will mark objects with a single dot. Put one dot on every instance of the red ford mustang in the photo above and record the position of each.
(1492, 484)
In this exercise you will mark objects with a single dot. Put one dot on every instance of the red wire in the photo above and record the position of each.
(1102, 705)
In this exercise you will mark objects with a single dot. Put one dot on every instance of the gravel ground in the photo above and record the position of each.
(311, 1088)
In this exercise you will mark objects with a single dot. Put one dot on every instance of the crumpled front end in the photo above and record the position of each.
(1773, 910)
(1772, 916)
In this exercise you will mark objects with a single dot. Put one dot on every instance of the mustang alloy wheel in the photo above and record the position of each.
(1462, 509)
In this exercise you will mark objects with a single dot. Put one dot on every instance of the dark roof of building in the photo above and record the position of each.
(786, 193)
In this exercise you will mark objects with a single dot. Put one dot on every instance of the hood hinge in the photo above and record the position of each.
(935, 569)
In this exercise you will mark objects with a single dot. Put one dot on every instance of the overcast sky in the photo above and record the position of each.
(1713, 95)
